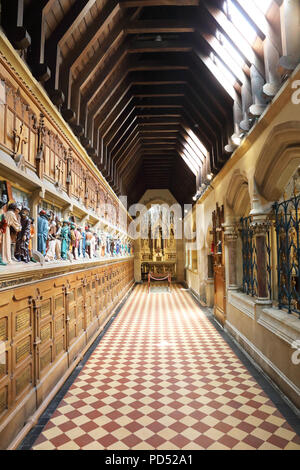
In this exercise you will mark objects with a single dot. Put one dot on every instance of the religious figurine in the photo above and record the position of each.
(57, 238)
(32, 233)
(51, 252)
(43, 227)
(14, 233)
(88, 242)
(112, 247)
(12, 221)
(65, 239)
(23, 237)
(80, 254)
(118, 247)
(107, 247)
(94, 244)
(3, 225)
(73, 239)
(83, 235)
(78, 237)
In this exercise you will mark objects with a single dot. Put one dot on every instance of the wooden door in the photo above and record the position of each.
(219, 265)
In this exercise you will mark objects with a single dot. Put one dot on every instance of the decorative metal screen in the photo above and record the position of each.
(288, 253)
(249, 257)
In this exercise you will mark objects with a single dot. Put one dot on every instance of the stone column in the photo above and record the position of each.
(273, 79)
(137, 260)
(246, 103)
(231, 237)
(261, 225)
(290, 34)
(257, 82)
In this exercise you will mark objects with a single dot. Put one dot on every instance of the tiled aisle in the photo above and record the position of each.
(162, 377)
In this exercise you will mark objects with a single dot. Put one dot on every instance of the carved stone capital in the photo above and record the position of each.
(230, 236)
(230, 233)
(261, 226)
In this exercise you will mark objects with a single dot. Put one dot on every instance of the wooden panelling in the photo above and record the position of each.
(49, 319)
(62, 165)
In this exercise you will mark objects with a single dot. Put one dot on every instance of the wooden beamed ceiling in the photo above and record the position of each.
(131, 80)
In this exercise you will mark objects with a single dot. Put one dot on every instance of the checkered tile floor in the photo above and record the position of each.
(162, 377)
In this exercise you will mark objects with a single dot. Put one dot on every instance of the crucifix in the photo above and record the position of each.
(59, 170)
(69, 160)
(40, 150)
(19, 140)
(86, 185)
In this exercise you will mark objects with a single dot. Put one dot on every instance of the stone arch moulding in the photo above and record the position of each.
(237, 197)
(278, 160)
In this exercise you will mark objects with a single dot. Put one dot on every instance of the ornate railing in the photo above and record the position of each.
(249, 253)
(288, 253)
(249, 257)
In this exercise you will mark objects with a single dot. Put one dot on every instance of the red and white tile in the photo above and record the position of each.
(162, 377)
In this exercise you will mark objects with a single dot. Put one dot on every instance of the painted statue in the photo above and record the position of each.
(107, 246)
(32, 233)
(73, 239)
(14, 233)
(23, 237)
(3, 225)
(43, 228)
(65, 239)
(51, 253)
(89, 243)
(57, 238)
(83, 234)
(12, 222)
(118, 247)
(78, 237)
(80, 254)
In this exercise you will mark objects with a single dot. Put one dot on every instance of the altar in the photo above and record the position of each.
(159, 268)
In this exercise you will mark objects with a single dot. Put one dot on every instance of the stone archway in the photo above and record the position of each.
(278, 160)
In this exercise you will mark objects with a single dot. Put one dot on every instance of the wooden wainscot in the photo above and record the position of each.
(46, 327)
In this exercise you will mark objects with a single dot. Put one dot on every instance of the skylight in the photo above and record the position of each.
(190, 157)
(263, 5)
(198, 142)
(195, 148)
(241, 22)
(225, 72)
(189, 164)
(238, 59)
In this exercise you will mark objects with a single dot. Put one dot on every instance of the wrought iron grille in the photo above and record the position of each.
(249, 252)
(249, 257)
(288, 254)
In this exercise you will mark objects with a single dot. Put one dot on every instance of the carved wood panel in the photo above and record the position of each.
(41, 322)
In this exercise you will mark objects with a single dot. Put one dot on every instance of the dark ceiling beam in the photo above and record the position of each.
(129, 47)
(12, 21)
(160, 26)
(90, 38)
(97, 101)
(97, 59)
(34, 18)
(105, 100)
(170, 63)
(154, 3)
(122, 155)
(160, 146)
(65, 28)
